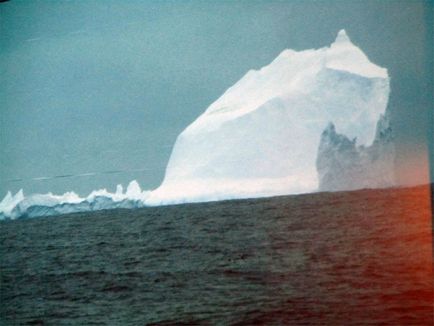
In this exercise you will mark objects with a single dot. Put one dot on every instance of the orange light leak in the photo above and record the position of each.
(363, 257)
(413, 169)
(412, 265)
(397, 276)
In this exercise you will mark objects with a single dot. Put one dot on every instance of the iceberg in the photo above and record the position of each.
(36, 205)
(261, 137)
(272, 133)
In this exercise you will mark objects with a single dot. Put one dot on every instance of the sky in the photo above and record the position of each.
(94, 93)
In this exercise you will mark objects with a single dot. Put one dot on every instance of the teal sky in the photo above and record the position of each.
(101, 89)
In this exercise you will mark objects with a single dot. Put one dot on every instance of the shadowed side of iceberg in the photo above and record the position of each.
(342, 165)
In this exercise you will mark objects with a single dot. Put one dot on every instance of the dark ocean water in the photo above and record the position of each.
(361, 257)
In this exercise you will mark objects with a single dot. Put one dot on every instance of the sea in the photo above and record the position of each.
(343, 258)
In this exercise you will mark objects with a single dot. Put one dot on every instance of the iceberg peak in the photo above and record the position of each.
(10, 201)
(342, 37)
(330, 129)
(119, 190)
(133, 189)
(344, 55)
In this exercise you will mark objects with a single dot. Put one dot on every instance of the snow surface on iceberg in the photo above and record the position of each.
(260, 138)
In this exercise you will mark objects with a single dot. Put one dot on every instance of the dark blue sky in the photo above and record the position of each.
(106, 86)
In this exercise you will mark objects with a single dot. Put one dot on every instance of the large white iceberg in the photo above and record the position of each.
(260, 138)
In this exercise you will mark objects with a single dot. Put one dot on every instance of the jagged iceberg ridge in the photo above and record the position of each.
(12, 207)
(263, 137)
(342, 165)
